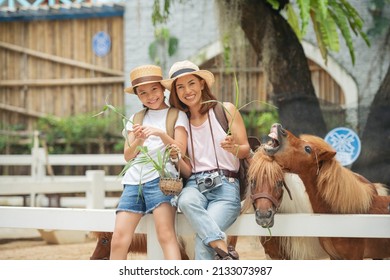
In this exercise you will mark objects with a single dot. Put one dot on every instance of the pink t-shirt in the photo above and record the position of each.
(204, 148)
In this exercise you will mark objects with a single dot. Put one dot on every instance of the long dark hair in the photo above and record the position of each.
(207, 95)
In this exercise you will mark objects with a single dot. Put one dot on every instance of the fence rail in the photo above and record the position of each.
(326, 225)
(41, 183)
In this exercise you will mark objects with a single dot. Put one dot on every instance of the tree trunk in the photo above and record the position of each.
(286, 65)
(374, 160)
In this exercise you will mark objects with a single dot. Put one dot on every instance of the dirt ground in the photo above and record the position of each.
(29, 245)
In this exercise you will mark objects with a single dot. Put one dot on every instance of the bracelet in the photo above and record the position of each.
(174, 160)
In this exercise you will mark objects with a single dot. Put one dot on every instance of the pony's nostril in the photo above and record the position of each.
(269, 214)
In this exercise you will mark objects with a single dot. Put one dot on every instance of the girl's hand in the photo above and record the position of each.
(149, 131)
(138, 131)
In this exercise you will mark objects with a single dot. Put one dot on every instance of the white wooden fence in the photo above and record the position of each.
(95, 184)
(285, 224)
(40, 183)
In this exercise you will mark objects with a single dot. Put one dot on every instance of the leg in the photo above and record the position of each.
(129, 212)
(125, 224)
(226, 200)
(209, 225)
(164, 217)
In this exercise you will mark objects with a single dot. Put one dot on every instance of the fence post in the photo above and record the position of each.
(95, 193)
(37, 165)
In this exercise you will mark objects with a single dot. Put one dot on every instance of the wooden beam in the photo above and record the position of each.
(62, 82)
(61, 60)
(22, 111)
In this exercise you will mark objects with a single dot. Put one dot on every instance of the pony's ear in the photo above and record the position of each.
(326, 154)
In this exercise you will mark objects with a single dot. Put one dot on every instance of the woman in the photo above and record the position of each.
(152, 133)
(210, 199)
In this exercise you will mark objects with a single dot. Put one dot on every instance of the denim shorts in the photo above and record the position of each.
(142, 199)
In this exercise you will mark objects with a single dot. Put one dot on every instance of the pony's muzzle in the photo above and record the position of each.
(265, 219)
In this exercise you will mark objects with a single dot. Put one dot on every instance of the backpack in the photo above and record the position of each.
(172, 115)
(254, 143)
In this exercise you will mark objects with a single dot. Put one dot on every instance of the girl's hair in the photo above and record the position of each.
(206, 96)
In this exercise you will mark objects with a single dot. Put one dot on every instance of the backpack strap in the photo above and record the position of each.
(172, 116)
(139, 116)
(220, 114)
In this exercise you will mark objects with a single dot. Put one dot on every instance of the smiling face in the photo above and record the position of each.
(189, 90)
(151, 95)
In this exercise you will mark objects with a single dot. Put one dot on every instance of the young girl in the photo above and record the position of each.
(211, 198)
(151, 133)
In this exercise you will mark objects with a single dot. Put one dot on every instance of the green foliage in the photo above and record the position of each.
(75, 130)
(159, 164)
(258, 123)
(381, 22)
(160, 15)
(164, 42)
(9, 140)
(328, 18)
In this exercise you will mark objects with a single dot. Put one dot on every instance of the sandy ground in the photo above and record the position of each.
(27, 244)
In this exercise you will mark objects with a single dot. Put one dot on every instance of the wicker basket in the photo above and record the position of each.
(171, 186)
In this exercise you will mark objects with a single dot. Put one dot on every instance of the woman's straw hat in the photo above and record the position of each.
(182, 68)
(144, 74)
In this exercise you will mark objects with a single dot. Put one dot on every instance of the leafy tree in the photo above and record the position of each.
(277, 44)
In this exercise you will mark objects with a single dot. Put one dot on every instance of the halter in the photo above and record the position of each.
(275, 202)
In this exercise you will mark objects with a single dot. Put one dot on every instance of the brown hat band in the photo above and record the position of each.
(139, 80)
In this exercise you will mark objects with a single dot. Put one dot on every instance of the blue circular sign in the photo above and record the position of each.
(101, 43)
(346, 143)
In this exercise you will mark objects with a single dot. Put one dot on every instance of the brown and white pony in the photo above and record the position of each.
(319, 184)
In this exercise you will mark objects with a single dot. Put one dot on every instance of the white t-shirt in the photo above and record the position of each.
(142, 173)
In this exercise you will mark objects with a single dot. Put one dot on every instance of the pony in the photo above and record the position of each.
(309, 163)
(269, 187)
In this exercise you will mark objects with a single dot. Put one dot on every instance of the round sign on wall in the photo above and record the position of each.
(346, 143)
(101, 43)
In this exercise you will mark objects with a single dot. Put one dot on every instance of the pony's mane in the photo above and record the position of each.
(339, 186)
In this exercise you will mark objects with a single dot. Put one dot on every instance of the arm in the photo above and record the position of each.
(237, 142)
(134, 139)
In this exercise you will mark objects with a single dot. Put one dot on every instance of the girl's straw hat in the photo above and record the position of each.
(182, 68)
(144, 74)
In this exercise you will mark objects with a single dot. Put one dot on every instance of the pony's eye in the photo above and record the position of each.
(308, 149)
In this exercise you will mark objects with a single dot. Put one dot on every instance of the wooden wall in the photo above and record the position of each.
(253, 84)
(48, 67)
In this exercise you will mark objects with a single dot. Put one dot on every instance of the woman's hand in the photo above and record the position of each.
(229, 145)
(174, 152)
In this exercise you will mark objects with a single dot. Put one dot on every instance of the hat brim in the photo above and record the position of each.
(204, 74)
(131, 89)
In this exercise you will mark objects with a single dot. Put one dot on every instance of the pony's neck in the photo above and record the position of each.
(310, 182)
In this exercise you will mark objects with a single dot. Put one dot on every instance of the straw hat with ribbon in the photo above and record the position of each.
(144, 74)
(182, 68)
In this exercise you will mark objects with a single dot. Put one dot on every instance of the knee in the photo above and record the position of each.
(166, 235)
(119, 239)
(186, 200)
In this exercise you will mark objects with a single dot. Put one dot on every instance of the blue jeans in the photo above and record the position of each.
(209, 213)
